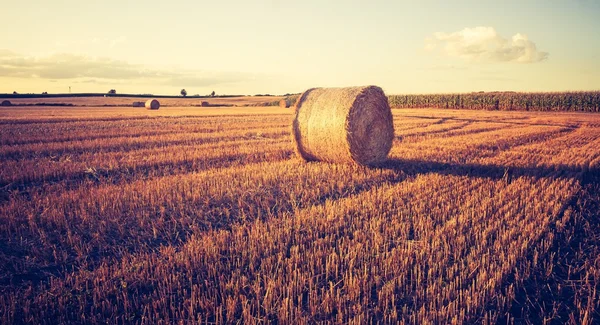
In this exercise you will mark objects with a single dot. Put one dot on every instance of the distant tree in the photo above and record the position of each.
(212, 94)
(45, 93)
(112, 92)
(15, 93)
(183, 92)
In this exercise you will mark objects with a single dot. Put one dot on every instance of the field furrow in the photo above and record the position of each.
(98, 223)
(193, 216)
(115, 167)
(48, 150)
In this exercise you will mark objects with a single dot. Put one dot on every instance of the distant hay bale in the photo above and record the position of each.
(205, 104)
(139, 104)
(152, 104)
(6, 103)
(343, 125)
(288, 101)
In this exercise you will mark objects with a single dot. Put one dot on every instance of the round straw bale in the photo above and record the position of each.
(6, 103)
(283, 103)
(152, 104)
(204, 104)
(343, 125)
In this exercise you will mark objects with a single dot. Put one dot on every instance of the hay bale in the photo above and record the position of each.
(288, 101)
(205, 104)
(6, 103)
(139, 104)
(152, 104)
(343, 125)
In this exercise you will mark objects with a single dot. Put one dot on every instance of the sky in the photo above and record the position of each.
(276, 47)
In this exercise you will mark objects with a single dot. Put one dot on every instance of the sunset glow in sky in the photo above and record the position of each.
(270, 46)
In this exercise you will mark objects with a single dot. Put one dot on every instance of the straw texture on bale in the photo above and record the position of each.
(139, 104)
(6, 103)
(152, 104)
(283, 103)
(343, 125)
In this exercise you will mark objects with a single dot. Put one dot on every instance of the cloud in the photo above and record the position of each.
(95, 70)
(441, 67)
(119, 40)
(95, 42)
(484, 44)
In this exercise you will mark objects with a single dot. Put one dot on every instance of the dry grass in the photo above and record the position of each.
(187, 215)
(43, 114)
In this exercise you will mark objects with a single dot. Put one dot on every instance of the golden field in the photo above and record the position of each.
(111, 101)
(193, 215)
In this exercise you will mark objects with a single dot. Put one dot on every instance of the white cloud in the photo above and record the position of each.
(94, 42)
(484, 44)
(97, 69)
(119, 40)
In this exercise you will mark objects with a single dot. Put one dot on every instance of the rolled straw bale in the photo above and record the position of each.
(139, 104)
(204, 104)
(152, 104)
(6, 103)
(288, 101)
(343, 125)
(291, 100)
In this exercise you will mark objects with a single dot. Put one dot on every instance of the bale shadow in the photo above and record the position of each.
(542, 295)
(503, 121)
(414, 167)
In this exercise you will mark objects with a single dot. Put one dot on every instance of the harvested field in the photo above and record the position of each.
(110, 101)
(186, 215)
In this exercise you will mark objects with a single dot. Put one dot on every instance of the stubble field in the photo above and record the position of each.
(182, 215)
